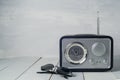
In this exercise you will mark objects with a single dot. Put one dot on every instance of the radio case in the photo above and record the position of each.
(86, 53)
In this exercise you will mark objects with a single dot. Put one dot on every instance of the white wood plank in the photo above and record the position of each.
(99, 76)
(4, 63)
(116, 67)
(78, 76)
(117, 74)
(17, 67)
(31, 73)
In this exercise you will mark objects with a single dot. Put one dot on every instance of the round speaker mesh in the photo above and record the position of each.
(75, 53)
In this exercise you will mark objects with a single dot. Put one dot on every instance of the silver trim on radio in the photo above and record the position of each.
(69, 46)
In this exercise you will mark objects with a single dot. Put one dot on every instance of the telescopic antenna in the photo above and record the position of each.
(98, 23)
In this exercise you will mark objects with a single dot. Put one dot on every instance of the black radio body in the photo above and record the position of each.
(86, 53)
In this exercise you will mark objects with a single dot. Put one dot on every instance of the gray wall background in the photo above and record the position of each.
(33, 27)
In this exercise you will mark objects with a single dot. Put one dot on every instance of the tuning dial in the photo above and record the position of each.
(98, 49)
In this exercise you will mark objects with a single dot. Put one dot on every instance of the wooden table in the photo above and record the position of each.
(25, 68)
